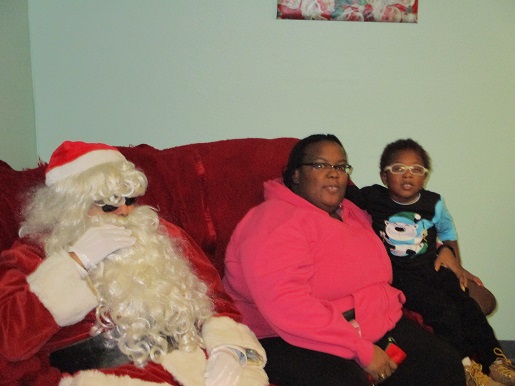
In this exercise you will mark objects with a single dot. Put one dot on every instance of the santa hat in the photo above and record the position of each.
(72, 158)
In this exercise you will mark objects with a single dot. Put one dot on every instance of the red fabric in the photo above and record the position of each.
(16, 300)
(13, 188)
(233, 182)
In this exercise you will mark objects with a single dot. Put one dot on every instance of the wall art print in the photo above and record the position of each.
(393, 11)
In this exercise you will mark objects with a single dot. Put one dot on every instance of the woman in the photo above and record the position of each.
(312, 281)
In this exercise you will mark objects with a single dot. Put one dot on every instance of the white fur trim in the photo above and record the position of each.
(96, 378)
(254, 376)
(188, 368)
(83, 163)
(224, 331)
(58, 285)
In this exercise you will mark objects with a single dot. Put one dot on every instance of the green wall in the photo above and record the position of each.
(17, 128)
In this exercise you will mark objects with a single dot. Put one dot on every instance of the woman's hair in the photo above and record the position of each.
(393, 148)
(61, 209)
(298, 153)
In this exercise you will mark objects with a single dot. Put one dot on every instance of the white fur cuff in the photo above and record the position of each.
(57, 283)
(223, 331)
(187, 367)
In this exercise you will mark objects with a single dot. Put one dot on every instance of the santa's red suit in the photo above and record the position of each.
(29, 332)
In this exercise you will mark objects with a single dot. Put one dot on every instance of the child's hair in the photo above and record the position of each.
(403, 144)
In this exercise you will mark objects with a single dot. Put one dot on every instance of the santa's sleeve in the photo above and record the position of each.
(38, 297)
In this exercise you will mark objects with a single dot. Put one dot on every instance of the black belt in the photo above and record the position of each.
(92, 353)
(349, 315)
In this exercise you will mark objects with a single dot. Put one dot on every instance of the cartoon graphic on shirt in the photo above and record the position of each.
(405, 234)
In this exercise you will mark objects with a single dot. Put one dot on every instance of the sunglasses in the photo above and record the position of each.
(111, 208)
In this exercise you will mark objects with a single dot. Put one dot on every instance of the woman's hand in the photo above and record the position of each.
(382, 366)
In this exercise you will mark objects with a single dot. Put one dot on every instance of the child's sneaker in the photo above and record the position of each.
(476, 377)
(502, 370)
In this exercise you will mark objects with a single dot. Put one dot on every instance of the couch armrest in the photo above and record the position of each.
(483, 297)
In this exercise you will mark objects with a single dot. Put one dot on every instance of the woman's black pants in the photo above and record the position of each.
(430, 362)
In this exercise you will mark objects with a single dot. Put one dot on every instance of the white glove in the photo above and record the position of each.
(99, 242)
(224, 367)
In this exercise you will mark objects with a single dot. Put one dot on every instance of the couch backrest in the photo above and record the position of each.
(205, 188)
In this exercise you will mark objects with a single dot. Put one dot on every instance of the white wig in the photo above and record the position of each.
(57, 213)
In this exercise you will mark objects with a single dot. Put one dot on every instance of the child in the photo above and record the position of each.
(412, 222)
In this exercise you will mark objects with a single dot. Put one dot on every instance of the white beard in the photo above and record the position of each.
(150, 300)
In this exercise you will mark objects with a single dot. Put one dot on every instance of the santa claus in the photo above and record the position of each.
(101, 291)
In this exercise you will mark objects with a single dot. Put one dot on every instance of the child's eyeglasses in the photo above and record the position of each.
(111, 208)
(416, 170)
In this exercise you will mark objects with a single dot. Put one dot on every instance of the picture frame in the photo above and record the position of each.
(383, 11)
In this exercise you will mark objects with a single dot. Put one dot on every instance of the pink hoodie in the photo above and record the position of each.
(293, 270)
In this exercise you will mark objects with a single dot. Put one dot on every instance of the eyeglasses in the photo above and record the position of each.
(340, 168)
(111, 208)
(416, 170)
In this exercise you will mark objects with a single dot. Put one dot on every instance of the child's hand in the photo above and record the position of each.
(448, 260)
(472, 277)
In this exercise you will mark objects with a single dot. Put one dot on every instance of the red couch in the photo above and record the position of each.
(205, 188)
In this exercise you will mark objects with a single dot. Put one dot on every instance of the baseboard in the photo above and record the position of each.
(508, 347)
